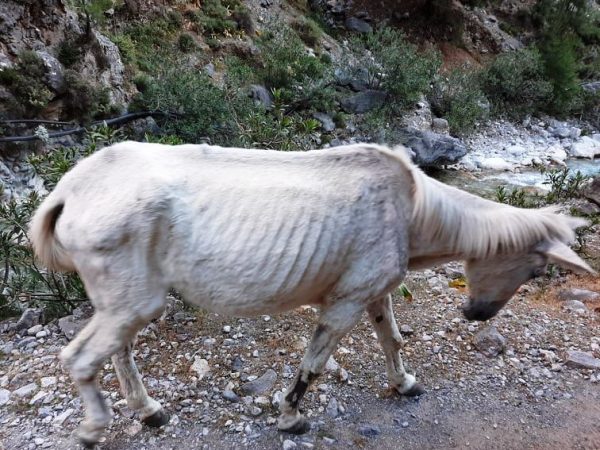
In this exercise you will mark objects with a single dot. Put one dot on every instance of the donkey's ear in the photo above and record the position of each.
(560, 254)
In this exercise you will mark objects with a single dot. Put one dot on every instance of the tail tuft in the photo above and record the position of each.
(46, 246)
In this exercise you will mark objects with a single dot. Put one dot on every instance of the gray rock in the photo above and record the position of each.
(261, 96)
(26, 391)
(358, 25)
(593, 87)
(228, 394)
(30, 318)
(332, 409)
(60, 419)
(34, 330)
(4, 396)
(406, 330)
(288, 444)
(54, 77)
(369, 430)
(432, 149)
(363, 102)
(592, 193)
(581, 295)
(200, 367)
(574, 305)
(327, 122)
(262, 384)
(47, 381)
(489, 342)
(209, 69)
(582, 360)
(70, 326)
(440, 125)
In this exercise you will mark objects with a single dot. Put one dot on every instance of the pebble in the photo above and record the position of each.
(34, 330)
(47, 381)
(289, 444)
(60, 419)
(582, 360)
(332, 409)
(489, 342)
(201, 367)
(4, 396)
(26, 391)
(262, 384)
(369, 430)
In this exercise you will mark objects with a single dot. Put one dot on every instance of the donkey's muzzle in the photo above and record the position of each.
(481, 311)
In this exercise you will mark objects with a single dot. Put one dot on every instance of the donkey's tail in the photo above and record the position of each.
(46, 246)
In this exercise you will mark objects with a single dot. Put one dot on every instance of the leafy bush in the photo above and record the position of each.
(308, 31)
(83, 100)
(26, 82)
(394, 65)
(215, 17)
(199, 108)
(458, 98)
(516, 84)
(69, 52)
(186, 42)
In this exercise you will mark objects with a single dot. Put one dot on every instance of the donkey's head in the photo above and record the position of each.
(494, 280)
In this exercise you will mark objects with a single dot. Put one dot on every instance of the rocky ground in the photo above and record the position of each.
(528, 379)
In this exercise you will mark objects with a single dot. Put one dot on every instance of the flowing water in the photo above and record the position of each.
(486, 183)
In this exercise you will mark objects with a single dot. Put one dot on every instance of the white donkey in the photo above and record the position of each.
(246, 232)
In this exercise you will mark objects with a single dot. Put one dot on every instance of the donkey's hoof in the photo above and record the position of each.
(158, 419)
(88, 445)
(299, 426)
(416, 390)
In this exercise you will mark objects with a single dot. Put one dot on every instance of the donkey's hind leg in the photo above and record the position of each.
(122, 307)
(335, 321)
(149, 410)
(381, 315)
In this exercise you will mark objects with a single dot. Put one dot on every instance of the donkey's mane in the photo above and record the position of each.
(478, 227)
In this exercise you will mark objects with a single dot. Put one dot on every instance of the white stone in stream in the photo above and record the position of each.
(556, 153)
(585, 148)
(494, 163)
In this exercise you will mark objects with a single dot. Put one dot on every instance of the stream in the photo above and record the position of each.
(485, 183)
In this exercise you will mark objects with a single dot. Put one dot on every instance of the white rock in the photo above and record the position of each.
(134, 428)
(289, 444)
(34, 330)
(227, 329)
(585, 148)
(556, 153)
(38, 398)
(60, 419)
(494, 163)
(4, 396)
(201, 367)
(47, 381)
(26, 391)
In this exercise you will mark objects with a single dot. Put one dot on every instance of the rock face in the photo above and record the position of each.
(364, 101)
(489, 342)
(432, 149)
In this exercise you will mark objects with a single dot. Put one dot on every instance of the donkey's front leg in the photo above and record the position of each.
(335, 321)
(381, 315)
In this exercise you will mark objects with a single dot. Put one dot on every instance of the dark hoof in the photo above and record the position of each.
(88, 445)
(158, 419)
(300, 427)
(415, 391)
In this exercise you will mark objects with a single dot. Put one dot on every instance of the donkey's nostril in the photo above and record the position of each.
(479, 313)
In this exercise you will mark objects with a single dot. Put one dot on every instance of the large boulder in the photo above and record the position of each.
(431, 149)
(585, 148)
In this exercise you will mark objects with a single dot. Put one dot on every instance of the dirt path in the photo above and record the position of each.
(528, 397)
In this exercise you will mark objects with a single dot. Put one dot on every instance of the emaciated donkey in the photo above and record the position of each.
(246, 232)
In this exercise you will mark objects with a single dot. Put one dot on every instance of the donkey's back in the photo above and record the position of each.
(235, 230)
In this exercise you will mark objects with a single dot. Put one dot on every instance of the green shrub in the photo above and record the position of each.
(459, 99)
(186, 42)
(215, 17)
(308, 31)
(69, 52)
(560, 61)
(395, 65)
(286, 62)
(26, 82)
(83, 100)
(199, 106)
(516, 84)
